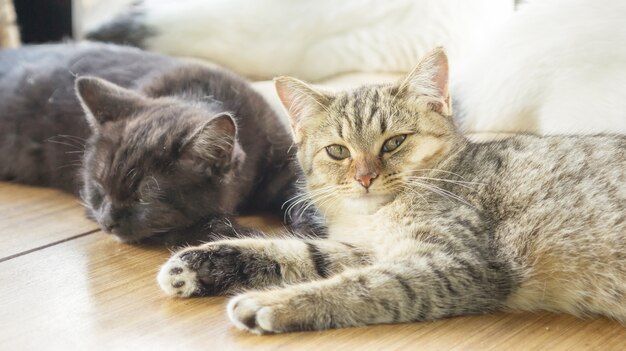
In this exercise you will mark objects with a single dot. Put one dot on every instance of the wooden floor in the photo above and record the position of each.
(66, 285)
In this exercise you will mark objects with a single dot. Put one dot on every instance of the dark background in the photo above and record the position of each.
(43, 21)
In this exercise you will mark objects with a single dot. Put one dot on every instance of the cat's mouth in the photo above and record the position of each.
(126, 235)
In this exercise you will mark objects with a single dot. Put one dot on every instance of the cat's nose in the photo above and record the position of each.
(366, 179)
(112, 219)
(109, 224)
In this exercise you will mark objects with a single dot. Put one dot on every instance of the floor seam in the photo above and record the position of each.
(54, 243)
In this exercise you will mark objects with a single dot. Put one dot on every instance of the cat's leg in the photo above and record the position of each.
(370, 295)
(225, 266)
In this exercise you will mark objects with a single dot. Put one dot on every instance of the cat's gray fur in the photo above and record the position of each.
(437, 227)
(170, 148)
(128, 28)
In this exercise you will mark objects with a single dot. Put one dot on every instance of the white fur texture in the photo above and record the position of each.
(315, 39)
(558, 66)
(174, 273)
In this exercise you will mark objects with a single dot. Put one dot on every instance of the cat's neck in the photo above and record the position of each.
(366, 205)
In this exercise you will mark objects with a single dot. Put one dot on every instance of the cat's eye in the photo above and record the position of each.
(337, 152)
(393, 143)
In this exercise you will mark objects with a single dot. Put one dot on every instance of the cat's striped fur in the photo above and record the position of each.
(445, 227)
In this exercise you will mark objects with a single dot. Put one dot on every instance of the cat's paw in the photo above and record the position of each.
(177, 278)
(217, 268)
(250, 312)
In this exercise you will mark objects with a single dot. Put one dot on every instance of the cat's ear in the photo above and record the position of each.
(301, 101)
(213, 144)
(105, 102)
(430, 79)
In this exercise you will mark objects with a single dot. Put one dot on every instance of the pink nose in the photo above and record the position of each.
(366, 179)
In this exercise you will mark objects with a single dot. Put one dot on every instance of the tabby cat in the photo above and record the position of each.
(168, 149)
(424, 224)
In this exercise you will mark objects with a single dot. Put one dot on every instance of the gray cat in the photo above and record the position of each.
(159, 148)
(424, 224)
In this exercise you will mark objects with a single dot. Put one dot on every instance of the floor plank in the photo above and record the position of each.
(34, 217)
(92, 293)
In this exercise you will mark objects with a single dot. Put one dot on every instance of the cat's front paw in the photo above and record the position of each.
(277, 311)
(217, 268)
(201, 271)
(177, 278)
(250, 312)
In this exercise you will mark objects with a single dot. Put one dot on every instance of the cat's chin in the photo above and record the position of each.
(123, 239)
(129, 237)
(367, 203)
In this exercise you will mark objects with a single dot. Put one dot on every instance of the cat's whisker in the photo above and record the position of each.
(448, 180)
(319, 200)
(68, 140)
(50, 140)
(287, 213)
(305, 195)
(156, 182)
(75, 138)
(300, 199)
(162, 230)
(437, 190)
(411, 172)
(294, 198)
(459, 183)
(315, 198)
(316, 194)
(411, 190)
(69, 165)
(447, 194)
(296, 201)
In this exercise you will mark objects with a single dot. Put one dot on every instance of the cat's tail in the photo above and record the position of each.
(128, 27)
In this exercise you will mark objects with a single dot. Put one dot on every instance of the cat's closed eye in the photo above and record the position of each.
(337, 152)
(393, 143)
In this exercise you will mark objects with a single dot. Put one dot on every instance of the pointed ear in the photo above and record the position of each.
(430, 79)
(104, 101)
(301, 101)
(214, 143)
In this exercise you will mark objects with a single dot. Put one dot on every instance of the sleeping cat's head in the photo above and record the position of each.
(153, 165)
(359, 148)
